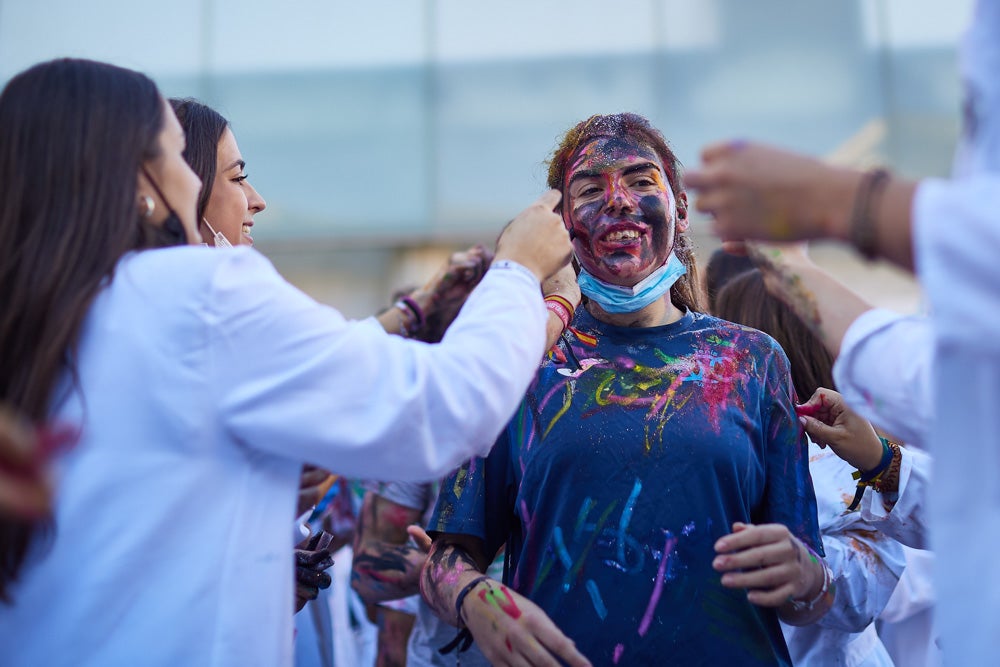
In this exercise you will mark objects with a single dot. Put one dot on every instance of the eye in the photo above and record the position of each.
(240, 178)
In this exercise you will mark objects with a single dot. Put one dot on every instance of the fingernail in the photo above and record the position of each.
(738, 144)
(721, 545)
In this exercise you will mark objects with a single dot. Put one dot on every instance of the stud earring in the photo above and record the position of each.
(146, 206)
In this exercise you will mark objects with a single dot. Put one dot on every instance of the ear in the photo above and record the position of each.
(682, 212)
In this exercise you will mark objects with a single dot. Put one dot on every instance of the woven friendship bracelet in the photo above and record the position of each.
(862, 224)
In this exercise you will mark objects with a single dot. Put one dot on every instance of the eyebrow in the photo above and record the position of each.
(594, 173)
(236, 163)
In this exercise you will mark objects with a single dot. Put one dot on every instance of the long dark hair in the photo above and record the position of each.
(685, 292)
(745, 300)
(203, 128)
(73, 136)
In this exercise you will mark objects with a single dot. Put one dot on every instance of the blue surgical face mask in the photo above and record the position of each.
(620, 299)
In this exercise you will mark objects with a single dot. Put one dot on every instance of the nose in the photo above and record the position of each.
(255, 202)
(619, 199)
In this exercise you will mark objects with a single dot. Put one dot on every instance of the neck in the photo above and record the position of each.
(660, 312)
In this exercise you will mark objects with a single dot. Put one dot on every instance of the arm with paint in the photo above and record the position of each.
(386, 565)
(824, 304)
(508, 628)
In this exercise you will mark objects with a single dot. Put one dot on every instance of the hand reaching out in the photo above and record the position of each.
(445, 293)
(828, 421)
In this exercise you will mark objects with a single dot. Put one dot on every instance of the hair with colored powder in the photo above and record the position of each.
(203, 129)
(685, 293)
(745, 300)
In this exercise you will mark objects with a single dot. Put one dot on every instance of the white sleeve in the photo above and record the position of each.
(866, 567)
(884, 371)
(957, 247)
(865, 563)
(295, 379)
(907, 521)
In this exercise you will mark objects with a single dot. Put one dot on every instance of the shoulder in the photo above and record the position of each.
(193, 263)
(725, 332)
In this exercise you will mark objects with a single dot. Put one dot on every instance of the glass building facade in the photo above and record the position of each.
(384, 133)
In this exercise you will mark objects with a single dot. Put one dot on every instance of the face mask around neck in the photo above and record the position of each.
(620, 299)
(220, 240)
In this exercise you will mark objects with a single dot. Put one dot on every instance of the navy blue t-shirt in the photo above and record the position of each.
(634, 450)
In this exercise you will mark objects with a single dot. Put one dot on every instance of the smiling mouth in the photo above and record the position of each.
(621, 235)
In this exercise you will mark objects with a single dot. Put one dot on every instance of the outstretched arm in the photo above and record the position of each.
(759, 192)
(823, 303)
(386, 564)
(508, 628)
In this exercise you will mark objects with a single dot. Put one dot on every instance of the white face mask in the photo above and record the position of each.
(220, 240)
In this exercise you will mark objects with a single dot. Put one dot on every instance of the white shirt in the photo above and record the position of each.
(205, 382)
(883, 372)
(866, 567)
(957, 248)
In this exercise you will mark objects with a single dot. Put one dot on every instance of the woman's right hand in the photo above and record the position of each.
(828, 421)
(511, 630)
(537, 238)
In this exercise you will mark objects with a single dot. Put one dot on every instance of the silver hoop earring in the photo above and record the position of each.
(146, 206)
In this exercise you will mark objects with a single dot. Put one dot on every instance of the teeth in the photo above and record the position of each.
(246, 229)
(624, 235)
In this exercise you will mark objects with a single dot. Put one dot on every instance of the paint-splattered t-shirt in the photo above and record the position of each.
(634, 450)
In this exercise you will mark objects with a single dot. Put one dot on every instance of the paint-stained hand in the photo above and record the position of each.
(537, 238)
(445, 293)
(828, 421)
(771, 563)
(759, 192)
(511, 630)
(312, 558)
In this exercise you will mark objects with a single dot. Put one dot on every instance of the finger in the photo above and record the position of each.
(306, 592)
(768, 578)
(774, 553)
(738, 248)
(311, 578)
(420, 536)
(309, 557)
(749, 535)
(549, 200)
(772, 598)
(554, 642)
(817, 430)
(721, 149)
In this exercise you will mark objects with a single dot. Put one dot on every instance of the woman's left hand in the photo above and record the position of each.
(771, 563)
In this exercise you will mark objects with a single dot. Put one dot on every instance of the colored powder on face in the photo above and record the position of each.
(510, 649)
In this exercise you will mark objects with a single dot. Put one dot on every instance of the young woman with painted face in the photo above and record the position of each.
(200, 382)
(652, 490)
